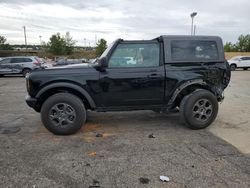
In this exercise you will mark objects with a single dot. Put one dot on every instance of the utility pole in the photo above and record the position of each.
(192, 15)
(194, 29)
(25, 38)
(85, 42)
(40, 39)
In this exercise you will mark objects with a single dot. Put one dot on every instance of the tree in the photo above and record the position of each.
(229, 47)
(60, 45)
(69, 43)
(243, 43)
(101, 47)
(4, 45)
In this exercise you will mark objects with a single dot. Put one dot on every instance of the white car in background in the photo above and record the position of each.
(239, 62)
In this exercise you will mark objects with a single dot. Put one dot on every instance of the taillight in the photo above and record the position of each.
(37, 63)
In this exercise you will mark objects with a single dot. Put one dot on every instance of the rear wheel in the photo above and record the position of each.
(63, 114)
(233, 67)
(245, 68)
(25, 72)
(199, 109)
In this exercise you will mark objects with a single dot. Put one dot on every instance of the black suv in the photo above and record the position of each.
(169, 73)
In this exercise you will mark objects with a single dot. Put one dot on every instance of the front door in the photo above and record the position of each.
(134, 76)
(5, 66)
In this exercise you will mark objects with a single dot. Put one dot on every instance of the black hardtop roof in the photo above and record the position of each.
(190, 37)
(181, 37)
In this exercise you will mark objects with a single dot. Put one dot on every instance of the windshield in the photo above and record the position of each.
(107, 50)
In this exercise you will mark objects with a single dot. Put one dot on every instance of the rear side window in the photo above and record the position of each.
(20, 60)
(16, 60)
(245, 58)
(27, 60)
(196, 50)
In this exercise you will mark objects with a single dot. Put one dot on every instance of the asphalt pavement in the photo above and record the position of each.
(133, 149)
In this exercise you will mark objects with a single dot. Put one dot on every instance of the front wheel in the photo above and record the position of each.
(199, 109)
(245, 68)
(63, 114)
(233, 67)
(25, 72)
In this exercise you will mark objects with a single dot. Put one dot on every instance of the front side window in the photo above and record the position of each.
(187, 50)
(135, 55)
(7, 60)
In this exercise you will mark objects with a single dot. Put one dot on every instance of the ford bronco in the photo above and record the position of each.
(169, 73)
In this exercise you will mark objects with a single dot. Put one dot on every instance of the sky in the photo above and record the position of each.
(89, 20)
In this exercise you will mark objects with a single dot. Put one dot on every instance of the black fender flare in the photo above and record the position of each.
(71, 86)
(179, 89)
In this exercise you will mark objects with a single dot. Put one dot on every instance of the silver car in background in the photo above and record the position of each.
(239, 62)
(19, 65)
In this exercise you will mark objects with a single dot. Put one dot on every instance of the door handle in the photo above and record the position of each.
(153, 75)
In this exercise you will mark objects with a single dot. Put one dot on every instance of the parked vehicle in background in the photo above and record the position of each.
(239, 62)
(63, 62)
(166, 74)
(45, 63)
(19, 65)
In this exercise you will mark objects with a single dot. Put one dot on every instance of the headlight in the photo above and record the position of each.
(28, 84)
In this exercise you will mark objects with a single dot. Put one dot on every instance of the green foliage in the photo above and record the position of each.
(4, 45)
(60, 45)
(229, 47)
(101, 47)
(242, 45)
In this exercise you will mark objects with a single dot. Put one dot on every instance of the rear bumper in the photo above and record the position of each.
(31, 101)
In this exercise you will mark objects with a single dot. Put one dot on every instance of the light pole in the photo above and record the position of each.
(25, 38)
(40, 39)
(85, 42)
(193, 14)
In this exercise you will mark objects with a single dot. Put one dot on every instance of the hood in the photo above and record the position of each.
(65, 71)
(82, 65)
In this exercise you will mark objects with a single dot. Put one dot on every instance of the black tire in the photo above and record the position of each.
(1, 75)
(63, 114)
(233, 67)
(25, 72)
(199, 109)
(245, 68)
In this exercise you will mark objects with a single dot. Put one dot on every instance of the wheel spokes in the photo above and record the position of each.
(202, 110)
(62, 114)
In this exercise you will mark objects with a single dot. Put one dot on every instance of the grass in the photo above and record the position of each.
(229, 55)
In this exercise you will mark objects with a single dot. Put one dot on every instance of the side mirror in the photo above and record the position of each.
(102, 64)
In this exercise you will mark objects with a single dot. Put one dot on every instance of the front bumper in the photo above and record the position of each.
(31, 101)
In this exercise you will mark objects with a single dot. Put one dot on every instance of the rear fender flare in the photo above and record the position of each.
(182, 87)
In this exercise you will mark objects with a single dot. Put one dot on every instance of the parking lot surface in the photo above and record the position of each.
(126, 153)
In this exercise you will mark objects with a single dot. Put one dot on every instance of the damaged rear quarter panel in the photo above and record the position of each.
(182, 75)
